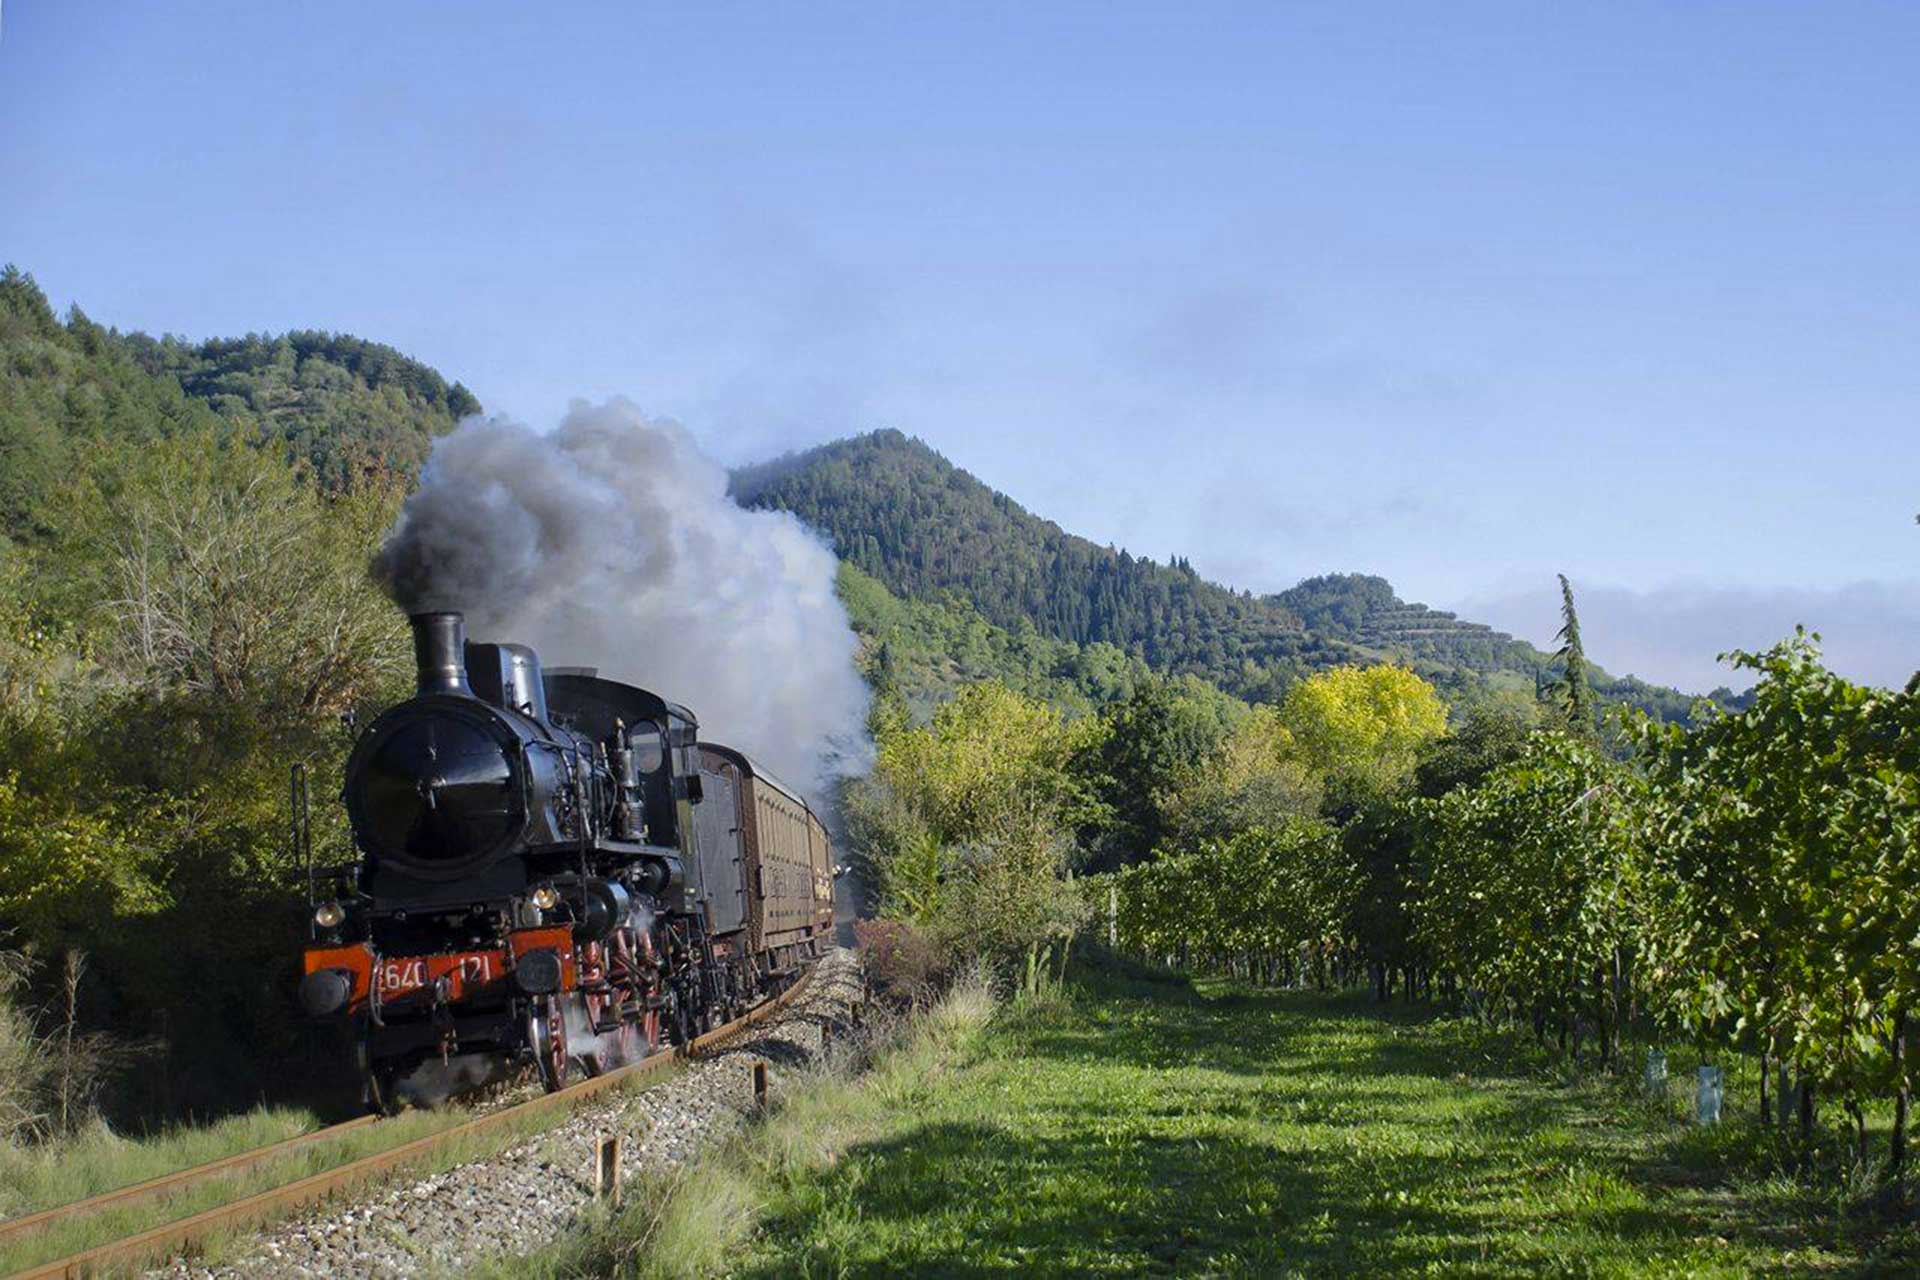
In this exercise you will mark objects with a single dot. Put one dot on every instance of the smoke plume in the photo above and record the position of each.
(612, 543)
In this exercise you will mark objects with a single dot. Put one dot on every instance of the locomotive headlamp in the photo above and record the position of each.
(546, 897)
(329, 914)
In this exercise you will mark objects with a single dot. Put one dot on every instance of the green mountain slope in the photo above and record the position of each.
(899, 511)
(928, 531)
(340, 406)
(927, 650)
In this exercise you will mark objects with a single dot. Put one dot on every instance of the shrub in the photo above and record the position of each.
(901, 961)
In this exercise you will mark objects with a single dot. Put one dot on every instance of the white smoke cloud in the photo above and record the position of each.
(613, 543)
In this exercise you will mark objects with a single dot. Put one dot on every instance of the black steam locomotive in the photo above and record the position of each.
(554, 868)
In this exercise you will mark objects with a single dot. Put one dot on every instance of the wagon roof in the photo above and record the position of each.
(754, 770)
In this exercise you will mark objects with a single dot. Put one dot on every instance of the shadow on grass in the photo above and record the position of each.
(1150, 1205)
(961, 1200)
(1342, 1138)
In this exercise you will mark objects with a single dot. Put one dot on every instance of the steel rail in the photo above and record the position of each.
(265, 1206)
(172, 1183)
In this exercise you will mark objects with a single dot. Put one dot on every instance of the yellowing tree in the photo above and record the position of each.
(963, 823)
(991, 759)
(1363, 727)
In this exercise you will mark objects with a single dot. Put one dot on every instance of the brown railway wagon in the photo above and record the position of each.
(782, 848)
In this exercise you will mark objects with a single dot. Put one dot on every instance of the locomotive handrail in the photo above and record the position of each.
(300, 813)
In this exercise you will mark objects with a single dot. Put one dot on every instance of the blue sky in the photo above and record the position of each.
(1460, 294)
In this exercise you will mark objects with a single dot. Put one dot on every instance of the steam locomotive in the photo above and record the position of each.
(553, 867)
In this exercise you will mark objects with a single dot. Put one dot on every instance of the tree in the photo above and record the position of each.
(990, 761)
(1149, 743)
(1256, 779)
(1482, 742)
(196, 621)
(1363, 727)
(1572, 656)
(202, 566)
(962, 824)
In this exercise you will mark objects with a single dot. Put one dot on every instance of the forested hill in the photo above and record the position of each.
(340, 406)
(901, 512)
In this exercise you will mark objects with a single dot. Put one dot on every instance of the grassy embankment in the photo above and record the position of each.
(1149, 1128)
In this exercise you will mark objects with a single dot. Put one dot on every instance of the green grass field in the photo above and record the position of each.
(1149, 1128)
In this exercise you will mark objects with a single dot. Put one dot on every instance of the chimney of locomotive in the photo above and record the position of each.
(439, 652)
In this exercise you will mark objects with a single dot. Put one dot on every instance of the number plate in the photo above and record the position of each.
(400, 976)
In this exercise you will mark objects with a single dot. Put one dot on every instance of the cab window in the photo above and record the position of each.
(649, 749)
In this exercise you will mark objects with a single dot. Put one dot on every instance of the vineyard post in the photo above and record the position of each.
(1897, 1159)
(1617, 1013)
(1766, 1065)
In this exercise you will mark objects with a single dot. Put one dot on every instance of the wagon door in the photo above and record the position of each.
(722, 861)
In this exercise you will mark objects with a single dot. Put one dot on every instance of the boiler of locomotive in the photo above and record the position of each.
(446, 783)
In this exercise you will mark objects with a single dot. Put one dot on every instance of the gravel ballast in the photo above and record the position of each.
(521, 1198)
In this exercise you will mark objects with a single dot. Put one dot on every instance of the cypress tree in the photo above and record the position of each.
(1573, 664)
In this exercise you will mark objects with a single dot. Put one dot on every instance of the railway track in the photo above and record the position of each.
(278, 1202)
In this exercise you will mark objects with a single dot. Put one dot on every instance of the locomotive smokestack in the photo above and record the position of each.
(439, 652)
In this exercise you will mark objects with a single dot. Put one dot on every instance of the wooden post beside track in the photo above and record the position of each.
(606, 1169)
(760, 1085)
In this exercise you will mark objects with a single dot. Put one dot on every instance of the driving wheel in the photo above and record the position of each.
(547, 1033)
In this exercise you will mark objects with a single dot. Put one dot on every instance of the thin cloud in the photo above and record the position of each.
(1671, 634)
